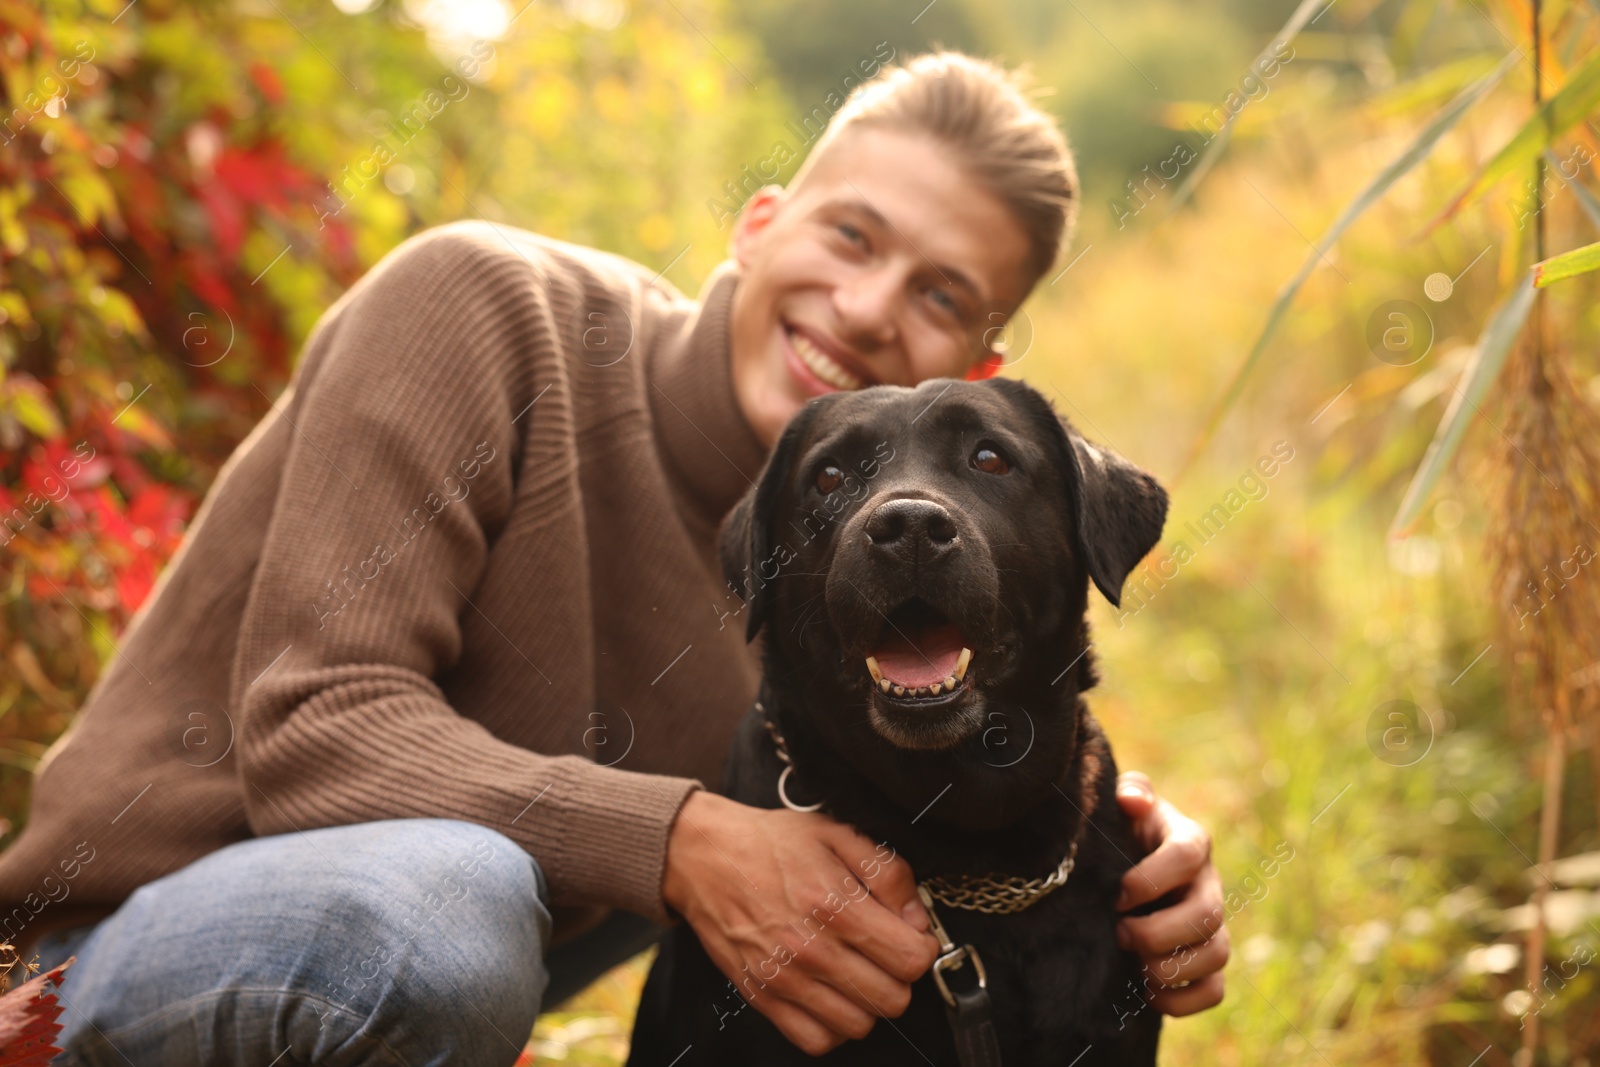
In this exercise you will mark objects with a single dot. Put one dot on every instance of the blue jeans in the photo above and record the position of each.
(411, 941)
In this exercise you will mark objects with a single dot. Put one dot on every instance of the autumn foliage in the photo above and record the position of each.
(131, 186)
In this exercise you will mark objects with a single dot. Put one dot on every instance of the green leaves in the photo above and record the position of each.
(1586, 199)
(1571, 105)
(1413, 154)
(1567, 265)
(27, 401)
(1208, 158)
(1494, 344)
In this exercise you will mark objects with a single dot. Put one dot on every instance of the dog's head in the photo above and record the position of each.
(924, 554)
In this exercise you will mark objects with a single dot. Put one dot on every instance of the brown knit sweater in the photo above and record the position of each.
(464, 569)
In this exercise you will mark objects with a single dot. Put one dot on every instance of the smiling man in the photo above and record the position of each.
(411, 737)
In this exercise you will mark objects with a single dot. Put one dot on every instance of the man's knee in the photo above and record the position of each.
(418, 938)
(459, 878)
(458, 917)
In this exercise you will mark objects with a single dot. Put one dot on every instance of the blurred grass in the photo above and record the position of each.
(591, 1029)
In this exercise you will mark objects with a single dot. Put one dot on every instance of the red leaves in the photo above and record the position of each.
(28, 1025)
(134, 583)
(267, 81)
(69, 510)
(138, 538)
(260, 177)
(82, 467)
(226, 214)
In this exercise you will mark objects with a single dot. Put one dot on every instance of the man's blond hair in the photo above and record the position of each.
(981, 112)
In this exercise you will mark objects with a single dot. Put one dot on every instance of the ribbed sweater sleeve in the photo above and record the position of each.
(406, 437)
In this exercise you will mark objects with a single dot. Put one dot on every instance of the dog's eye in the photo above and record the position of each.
(989, 461)
(829, 478)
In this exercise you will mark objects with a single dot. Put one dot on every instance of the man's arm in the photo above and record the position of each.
(398, 443)
(1184, 945)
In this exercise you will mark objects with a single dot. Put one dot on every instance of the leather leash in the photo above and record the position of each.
(968, 1010)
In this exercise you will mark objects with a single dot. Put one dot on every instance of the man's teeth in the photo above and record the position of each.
(823, 365)
(948, 685)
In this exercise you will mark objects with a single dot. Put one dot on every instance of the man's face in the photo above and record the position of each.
(887, 266)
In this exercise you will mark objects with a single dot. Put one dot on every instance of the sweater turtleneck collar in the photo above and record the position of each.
(709, 449)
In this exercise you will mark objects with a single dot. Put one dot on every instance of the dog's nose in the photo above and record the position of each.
(918, 531)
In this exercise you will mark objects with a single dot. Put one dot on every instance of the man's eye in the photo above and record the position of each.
(989, 461)
(944, 300)
(829, 478)
(851, 234)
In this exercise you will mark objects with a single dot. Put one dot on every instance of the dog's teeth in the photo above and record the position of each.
(950, 683)
(872, 669)
(935, 688)
(961, 663)
(899, 690)
(883, 684)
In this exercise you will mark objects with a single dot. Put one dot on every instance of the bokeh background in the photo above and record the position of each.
(184, 188)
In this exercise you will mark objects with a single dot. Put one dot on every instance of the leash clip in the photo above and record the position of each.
(951, 957)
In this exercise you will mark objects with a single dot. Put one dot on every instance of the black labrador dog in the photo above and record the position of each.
(920, 560)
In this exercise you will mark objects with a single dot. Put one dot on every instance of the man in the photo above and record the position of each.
(434, 680)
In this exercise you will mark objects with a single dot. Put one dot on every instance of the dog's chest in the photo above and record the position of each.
(1056, 977)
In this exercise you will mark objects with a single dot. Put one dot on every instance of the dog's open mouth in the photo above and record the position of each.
(920, 657)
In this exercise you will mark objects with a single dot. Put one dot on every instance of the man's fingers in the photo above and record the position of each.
(1136, 796)
(1190, 963)
(1192, 920)
(884, 938)
(802, 1029)
(839, 1012)
(776, 998)
(812, 1015)
(884, 873)
(1206, 993)
(1177, 861)
(876, 907)
(854, 976)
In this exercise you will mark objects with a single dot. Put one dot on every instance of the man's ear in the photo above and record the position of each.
(746, 544)
(758, 211)
(1118, 508)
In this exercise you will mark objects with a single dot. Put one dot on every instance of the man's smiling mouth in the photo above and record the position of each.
(821, 364)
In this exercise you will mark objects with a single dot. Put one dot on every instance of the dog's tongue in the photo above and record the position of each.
(920, 657)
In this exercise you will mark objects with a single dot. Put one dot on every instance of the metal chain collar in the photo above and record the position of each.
(999, 894)
(991, 894)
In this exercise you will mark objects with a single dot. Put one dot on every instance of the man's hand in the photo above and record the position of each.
(819, 928)
(1185, 945)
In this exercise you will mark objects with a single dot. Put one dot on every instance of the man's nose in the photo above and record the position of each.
(914, 531)
(866, 305)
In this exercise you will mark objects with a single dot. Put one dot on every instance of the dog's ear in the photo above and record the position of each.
(1119, 509)
(745, 544)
